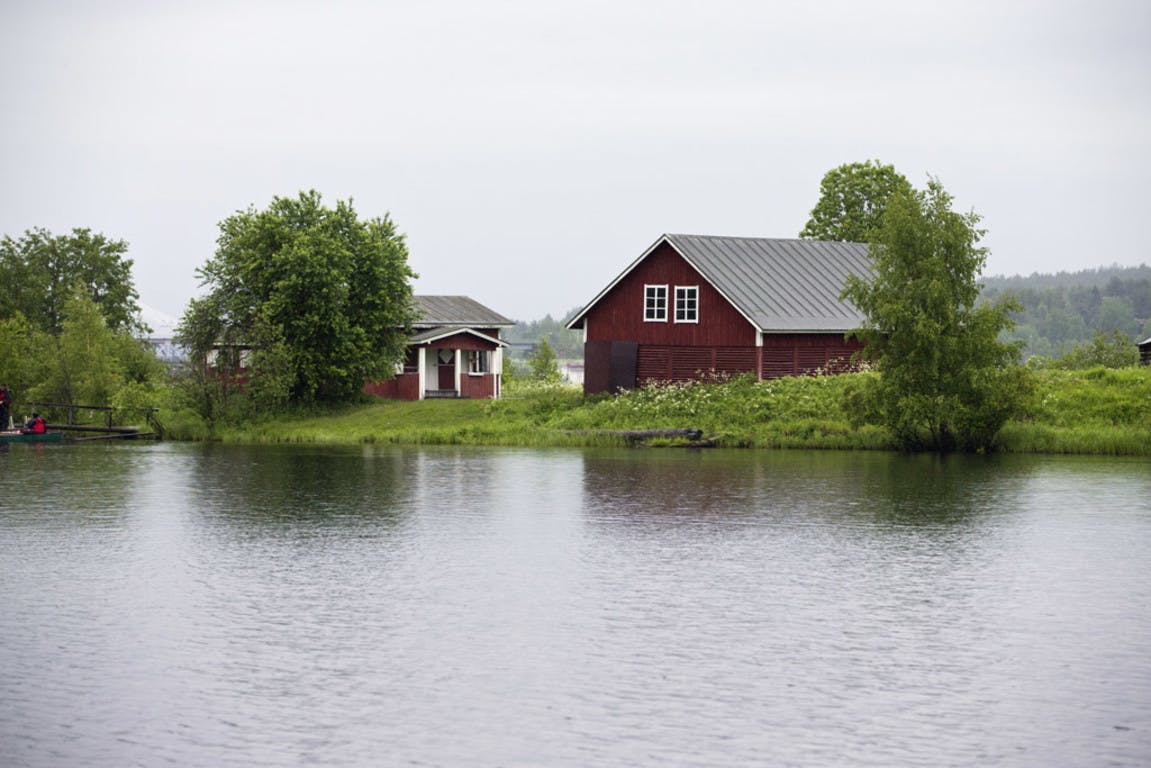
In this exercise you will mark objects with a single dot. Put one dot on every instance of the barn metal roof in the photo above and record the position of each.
(459, 311)
(782, 285)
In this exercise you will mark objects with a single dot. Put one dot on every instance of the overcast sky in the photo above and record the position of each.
(530, 149)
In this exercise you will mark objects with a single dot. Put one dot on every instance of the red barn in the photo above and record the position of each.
(455, 351)
(694, 305)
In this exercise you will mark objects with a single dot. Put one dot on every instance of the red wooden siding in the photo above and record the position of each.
(618, 316)
(404, 387)
(722, 342)
(653, 364)
(609, 366)
(478, 386)
(461, 341)
(666, 363)
(407, 387)
(795, 354)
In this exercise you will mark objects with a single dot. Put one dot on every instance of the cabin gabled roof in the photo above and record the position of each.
(781, 285)
(458, 311)
(445, 331)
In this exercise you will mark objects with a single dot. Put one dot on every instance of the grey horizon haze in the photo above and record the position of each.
(531, 150)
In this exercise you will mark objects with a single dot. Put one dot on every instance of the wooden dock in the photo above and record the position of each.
(65, 420)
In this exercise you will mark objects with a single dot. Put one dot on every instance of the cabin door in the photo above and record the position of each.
(447, 366)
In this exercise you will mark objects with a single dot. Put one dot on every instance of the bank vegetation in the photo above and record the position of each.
(1093, 411)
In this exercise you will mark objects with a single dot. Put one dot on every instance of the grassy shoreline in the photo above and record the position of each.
(1097, 411)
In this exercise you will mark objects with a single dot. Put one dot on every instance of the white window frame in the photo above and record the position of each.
(658, 312)
(694, 299)
(475, 367)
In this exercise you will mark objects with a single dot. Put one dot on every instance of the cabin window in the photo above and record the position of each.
(687, 304)
(479, 361)
(655, 303)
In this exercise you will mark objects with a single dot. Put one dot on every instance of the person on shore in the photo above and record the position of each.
(35, 425)
(5, 407)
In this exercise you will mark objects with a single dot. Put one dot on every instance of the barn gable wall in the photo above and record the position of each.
(619, 314)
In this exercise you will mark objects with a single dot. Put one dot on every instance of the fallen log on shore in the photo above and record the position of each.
(635, 435)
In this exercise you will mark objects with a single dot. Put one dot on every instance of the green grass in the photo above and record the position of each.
(1096, 411)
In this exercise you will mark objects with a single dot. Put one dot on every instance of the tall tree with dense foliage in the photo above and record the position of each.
(41, 272)
(1109, 350)
(20, 343)
(323, 298)
(91, 363)
(852, 199)
(945, 382)
(542, 362)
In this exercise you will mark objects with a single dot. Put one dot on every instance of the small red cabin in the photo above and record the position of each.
(455, 351)
(692, 306)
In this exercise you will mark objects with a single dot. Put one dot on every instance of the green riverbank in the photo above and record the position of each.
(1097, 411)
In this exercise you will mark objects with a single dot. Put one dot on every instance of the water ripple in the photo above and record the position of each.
(207, 605)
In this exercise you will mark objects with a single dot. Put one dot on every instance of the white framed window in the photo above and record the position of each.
(687, 304)
(655, 303)
(479, 361)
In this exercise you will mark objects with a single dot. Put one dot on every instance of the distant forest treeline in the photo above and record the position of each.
(1060, 311)
(1067, 309)
(567, 345)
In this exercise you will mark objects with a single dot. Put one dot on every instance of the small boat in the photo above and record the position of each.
(16, 436)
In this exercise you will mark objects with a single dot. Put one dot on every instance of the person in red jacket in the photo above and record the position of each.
(35, 425)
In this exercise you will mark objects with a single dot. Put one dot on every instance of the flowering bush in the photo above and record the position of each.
(716, 404)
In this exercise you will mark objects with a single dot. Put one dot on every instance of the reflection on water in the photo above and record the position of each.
(218, 605)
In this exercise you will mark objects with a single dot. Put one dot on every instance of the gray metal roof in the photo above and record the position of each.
(777, 284)
(780, 285)
(459, 311)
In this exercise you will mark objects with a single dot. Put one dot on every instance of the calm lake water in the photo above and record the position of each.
(228, 606)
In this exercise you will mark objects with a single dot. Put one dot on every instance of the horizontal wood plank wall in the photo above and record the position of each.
(665, 363)
(654, 364)
(406, 386)
(798, 354)
(481, 387)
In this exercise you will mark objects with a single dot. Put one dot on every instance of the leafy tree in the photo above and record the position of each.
(81, 364)
(322, 297)
(270, 385)
(195, 391)
(542, 363)
(1109, 350)
(41, 272)
(852, 199)
(565, 343)
(510, 373)
(946, 381)
(1117, 314)
(19, 343)
(1067, 309)
(202, 329)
